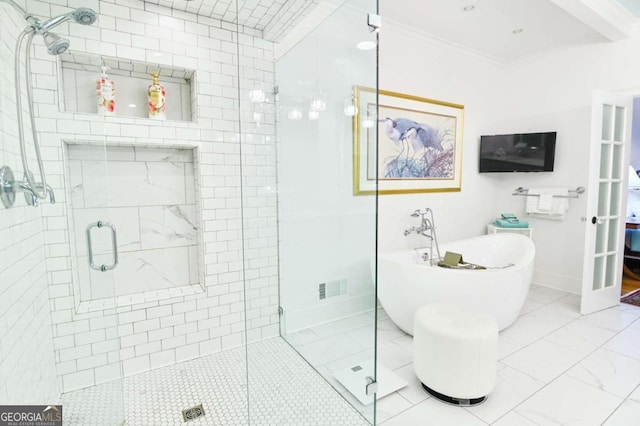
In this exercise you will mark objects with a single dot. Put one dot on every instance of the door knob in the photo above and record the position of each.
(595, 220)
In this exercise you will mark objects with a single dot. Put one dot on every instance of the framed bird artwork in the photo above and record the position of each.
(405, 144)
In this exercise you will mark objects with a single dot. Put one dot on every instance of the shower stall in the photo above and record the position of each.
(215, 265)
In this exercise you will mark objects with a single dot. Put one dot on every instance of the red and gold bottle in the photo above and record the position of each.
(157, 95)
(106, 94)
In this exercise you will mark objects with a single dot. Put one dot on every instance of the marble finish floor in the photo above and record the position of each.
(280, 389)
(556, 367)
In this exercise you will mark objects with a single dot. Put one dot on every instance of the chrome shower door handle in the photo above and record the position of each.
(114, 244)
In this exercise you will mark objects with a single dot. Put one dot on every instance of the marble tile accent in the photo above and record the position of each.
(393, 356)
(413, 392)
(567, 401)
(541, 381)
(626, 343)
(130, 183)
(543, 360)
(533, 326)
(390, 406)
(168, 226)
(512, 418)
(145, 190)
(434, 413)
(628, 413)
(611, 372)
(580, 336)
(138, 272)
(512, 388)
(615, 318)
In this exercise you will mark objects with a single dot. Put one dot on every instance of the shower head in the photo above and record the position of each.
(82, 15)
(416, 213)
(56, 45)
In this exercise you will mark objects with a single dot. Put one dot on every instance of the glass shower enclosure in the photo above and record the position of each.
(309, 242)
(299, 119)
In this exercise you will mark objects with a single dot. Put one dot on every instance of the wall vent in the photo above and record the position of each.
(332, 289)
(322, 291)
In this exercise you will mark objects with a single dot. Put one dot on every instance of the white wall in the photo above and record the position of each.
(444, 73)
(547, 93)
(554, 92)
(27, 366)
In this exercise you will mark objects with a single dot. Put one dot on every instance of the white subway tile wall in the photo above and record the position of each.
(27, 365)
(195, 324)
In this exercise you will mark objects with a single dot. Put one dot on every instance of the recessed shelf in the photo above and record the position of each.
(80, 71)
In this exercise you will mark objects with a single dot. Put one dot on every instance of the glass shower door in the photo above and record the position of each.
(91, 372)
(309, 242)
(96, 238)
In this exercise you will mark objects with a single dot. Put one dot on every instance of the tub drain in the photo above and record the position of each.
(193, 413)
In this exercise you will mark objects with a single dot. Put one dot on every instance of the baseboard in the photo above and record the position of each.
(326, 312)
(557, 281)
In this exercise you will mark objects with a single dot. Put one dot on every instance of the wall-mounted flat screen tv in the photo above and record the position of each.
(522, 152)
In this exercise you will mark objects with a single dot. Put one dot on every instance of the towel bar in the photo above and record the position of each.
(573, 193)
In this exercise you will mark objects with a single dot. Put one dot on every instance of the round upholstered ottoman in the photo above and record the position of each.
(455, 353)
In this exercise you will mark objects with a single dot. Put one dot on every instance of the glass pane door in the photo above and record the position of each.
(606, 197)
(89, 335)
(309, 242)
(612, 168)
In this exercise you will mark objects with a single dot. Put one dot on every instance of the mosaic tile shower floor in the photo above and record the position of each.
(285, 390)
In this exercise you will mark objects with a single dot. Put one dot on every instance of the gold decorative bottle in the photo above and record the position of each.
(157, 95)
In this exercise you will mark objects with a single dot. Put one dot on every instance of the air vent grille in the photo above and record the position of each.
(332, 289)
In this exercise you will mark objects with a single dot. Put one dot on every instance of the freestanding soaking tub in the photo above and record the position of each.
(406, 282)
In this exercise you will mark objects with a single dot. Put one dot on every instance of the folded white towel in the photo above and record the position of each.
(545, 201)
(541, 207)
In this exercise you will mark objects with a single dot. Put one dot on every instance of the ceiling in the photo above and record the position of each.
(274, 18)
(505, 31)
(512, 30)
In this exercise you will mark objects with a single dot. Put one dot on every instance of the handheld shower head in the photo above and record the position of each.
(82, 15)
(56, 45)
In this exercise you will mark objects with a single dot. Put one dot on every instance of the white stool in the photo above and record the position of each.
(455, 353)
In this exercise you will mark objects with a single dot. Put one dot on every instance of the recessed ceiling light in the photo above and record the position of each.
(366, 45)
(469, 8)
(132, 105)
(517, 31)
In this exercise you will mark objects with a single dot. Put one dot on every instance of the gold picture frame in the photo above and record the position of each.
(419, 147)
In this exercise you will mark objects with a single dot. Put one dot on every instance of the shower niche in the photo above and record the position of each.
(135, 222)
(79, 73)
